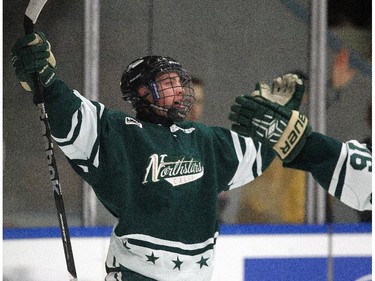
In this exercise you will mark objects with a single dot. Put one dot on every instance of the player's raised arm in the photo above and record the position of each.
(343, 169)
(72, 117)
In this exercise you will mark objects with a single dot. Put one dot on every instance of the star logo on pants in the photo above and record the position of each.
(177, 263)
(152, 258)
(202, 262)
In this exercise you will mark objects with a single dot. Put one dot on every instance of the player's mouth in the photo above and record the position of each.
(179, 104)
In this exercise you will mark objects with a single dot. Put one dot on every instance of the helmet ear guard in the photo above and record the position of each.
(144, 72)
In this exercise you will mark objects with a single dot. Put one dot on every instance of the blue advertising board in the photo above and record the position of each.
(317, 269)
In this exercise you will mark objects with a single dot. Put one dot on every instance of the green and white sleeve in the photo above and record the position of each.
(75, 124)
(342, 169)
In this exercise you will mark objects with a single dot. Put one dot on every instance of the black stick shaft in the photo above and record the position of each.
(52, 166)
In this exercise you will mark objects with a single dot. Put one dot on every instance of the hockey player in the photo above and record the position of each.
(342, 169)
(158, 174)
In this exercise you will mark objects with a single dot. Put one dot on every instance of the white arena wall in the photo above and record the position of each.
(244, 252)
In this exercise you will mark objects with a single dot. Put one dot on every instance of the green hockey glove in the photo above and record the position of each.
(287, 90)
(276, 126)
(31, 54)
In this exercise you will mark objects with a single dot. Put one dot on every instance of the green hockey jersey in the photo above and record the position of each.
(160, 182)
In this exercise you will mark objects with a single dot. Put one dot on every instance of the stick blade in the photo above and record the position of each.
(34, 8)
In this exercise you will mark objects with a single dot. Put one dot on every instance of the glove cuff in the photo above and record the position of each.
(293, 138)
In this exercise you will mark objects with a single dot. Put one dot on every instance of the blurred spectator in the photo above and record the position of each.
(341, 73)
(195, 115)
(350, 21)
(196, 111)
(278, 196)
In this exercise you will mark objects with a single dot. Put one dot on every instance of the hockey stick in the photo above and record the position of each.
(32, 12)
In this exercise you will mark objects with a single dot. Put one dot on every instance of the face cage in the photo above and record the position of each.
(180, 108)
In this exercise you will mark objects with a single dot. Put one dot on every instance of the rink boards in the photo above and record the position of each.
(244, 252)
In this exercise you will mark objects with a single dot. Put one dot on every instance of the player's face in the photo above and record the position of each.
(173, 96)
(170, 90)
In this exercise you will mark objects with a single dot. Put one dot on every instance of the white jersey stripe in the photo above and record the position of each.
(243, 173)
(259, 160)
(336, 173)
(169, 243)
